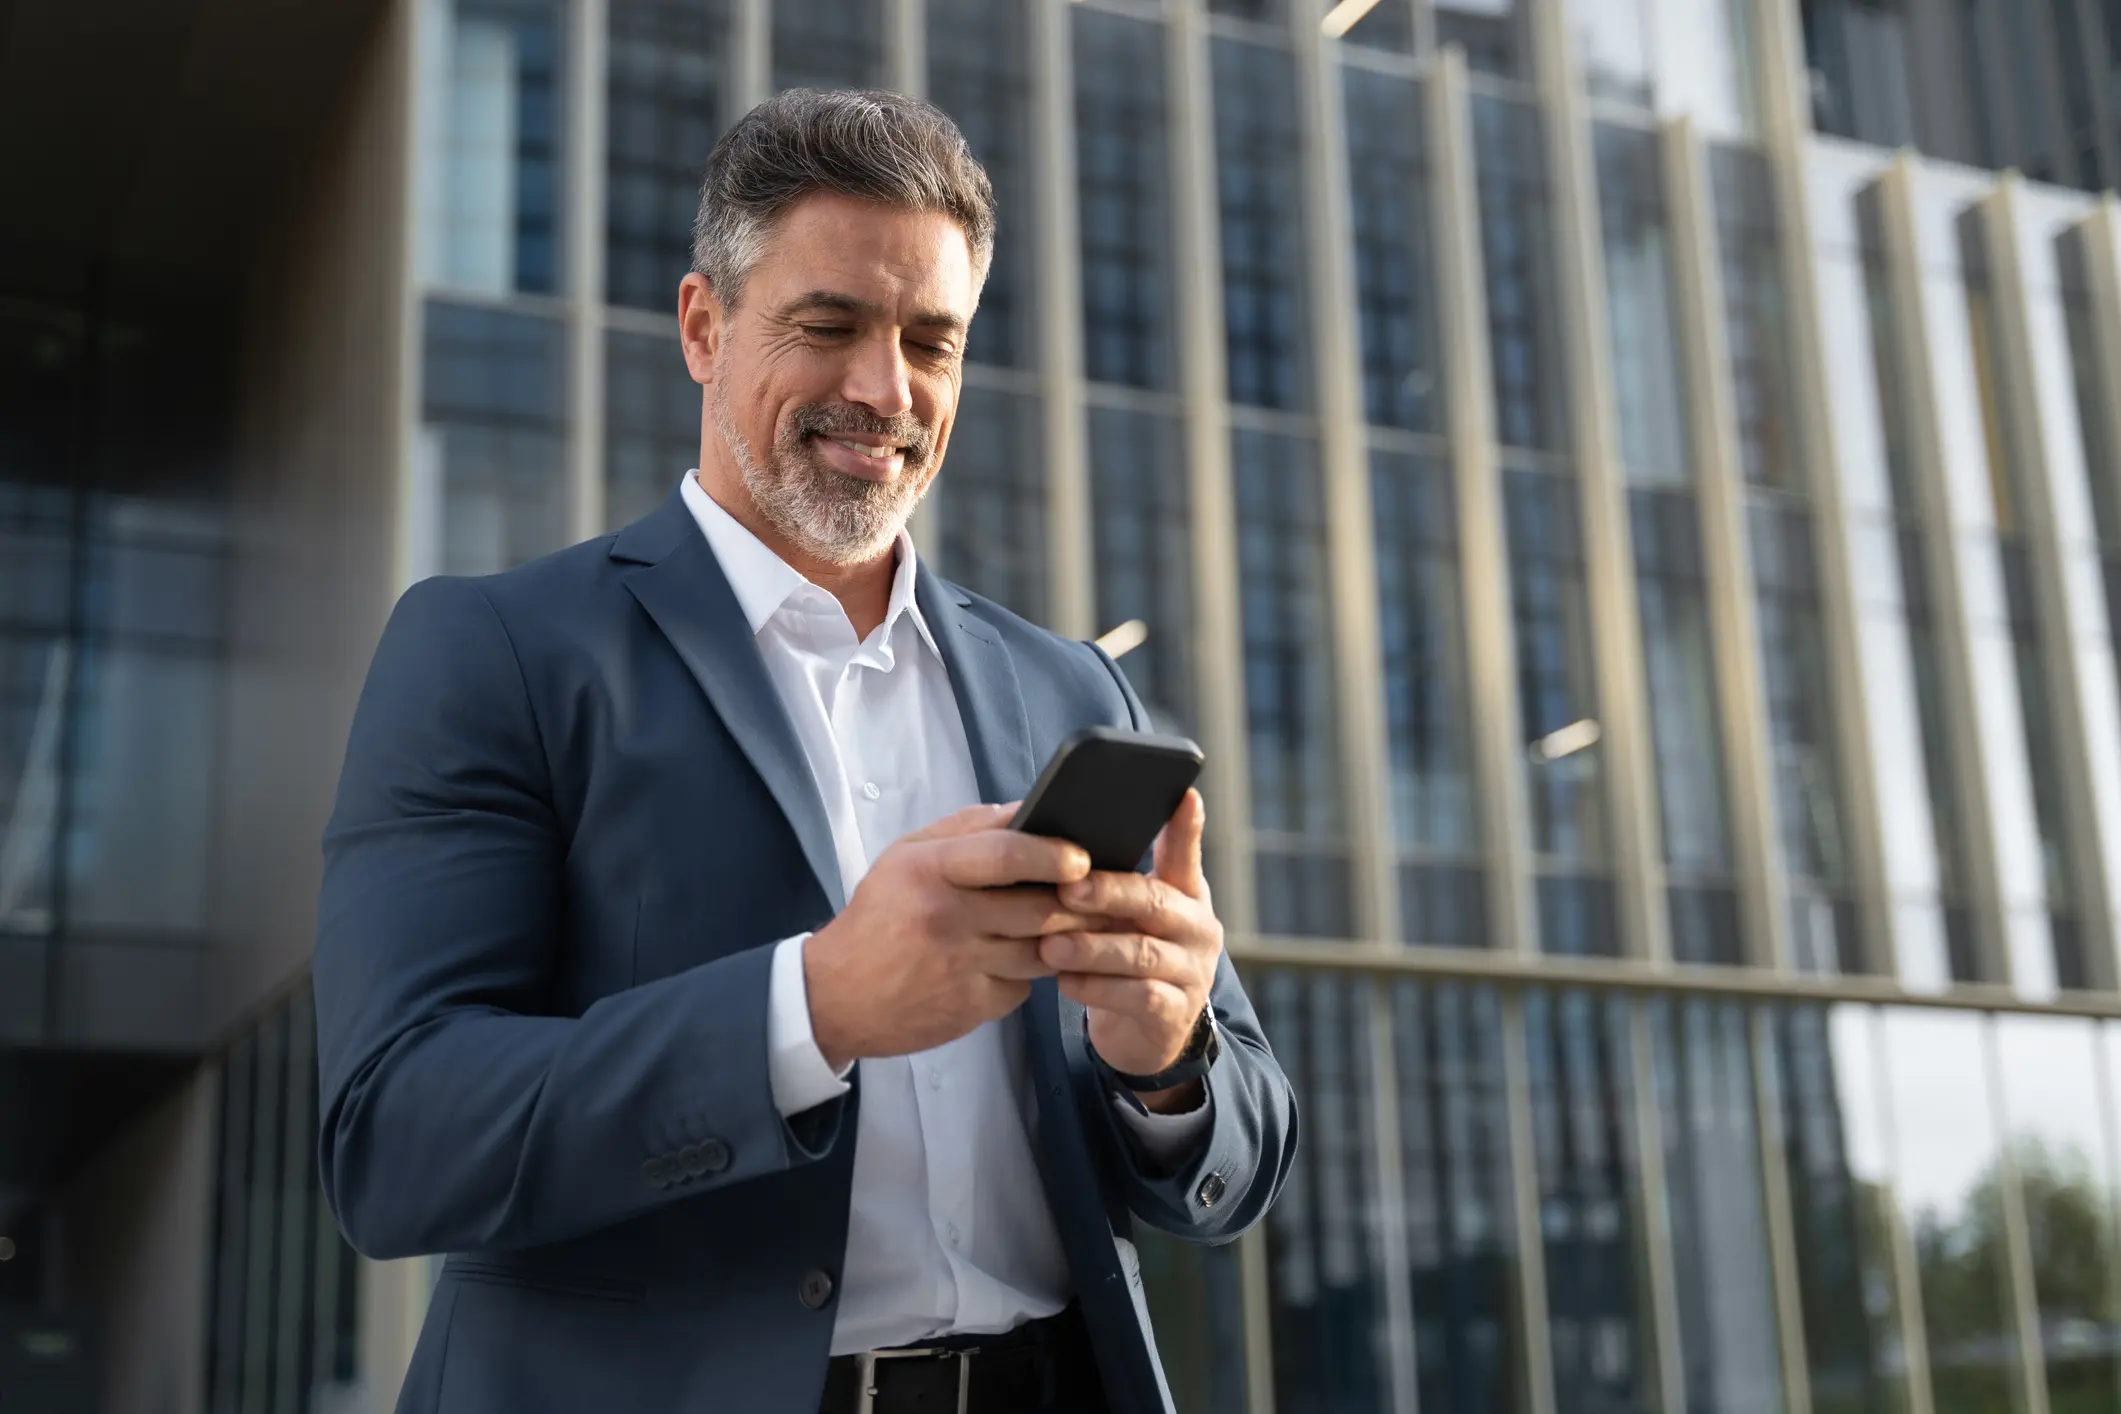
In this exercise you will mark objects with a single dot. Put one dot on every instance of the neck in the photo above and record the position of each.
(863, 588)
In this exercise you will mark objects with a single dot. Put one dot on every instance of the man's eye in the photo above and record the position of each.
(939, 350)
(827, 331)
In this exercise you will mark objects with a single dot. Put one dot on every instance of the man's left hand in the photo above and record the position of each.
(1145, 989)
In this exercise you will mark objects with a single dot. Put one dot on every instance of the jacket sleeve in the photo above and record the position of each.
(1216, 1193)
(456, 1112)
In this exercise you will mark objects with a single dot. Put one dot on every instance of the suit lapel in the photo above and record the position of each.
(990, 700)
(681, 585)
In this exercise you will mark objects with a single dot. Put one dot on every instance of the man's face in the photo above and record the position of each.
(832, 386)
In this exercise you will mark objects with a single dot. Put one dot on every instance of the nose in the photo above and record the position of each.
(877, 376)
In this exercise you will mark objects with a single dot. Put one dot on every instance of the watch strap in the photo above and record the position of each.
(1193, 1063)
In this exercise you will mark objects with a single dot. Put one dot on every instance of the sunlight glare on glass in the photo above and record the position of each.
(1566, 741)
(1122, 639)
(1342, 17)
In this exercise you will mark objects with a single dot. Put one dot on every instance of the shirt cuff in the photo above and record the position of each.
(1166, 1139)
(796, 1067)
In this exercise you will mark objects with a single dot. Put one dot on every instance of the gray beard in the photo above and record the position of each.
(841, 520)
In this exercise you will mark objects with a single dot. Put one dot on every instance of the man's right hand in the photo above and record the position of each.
(942, 934)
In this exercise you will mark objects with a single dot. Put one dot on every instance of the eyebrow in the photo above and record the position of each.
(840, 302)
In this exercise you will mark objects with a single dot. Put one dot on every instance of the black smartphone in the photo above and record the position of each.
(1110, 791)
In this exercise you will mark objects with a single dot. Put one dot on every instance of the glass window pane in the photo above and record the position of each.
(261, 1213)
(1925, 840)
(977, 74)
(1516, 249)
(36, 547)
(1494, 33)
(1755, 314)
(1861, 72)
(1260, 196)
(1198, 1315)
(1706, 64)
(2102, 458)
(1641, 314)
(1713, 1206)
(1395, 278)
(2023, 619)
(492, 94)
(1614, 43)
(1324, 1235)
(493, 435)
(1144, 556)
(1834, 1134)
(34, 676)
(2062, 1150)
(1799, 714)
(992, 496)
(651, 423)
(667, 63)
(140, 837)
(1601, 1330)
(1454, 1144)
(1679, 672)
(1556, 685)
(1949, 1192)
(1420, 623)
(1387, 25)
(1122, 183)
(1301, 860)
(1250, 9)
(828, 44)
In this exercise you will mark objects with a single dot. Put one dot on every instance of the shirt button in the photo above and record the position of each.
(935, 1078)
(953, 1234)
(871, 790)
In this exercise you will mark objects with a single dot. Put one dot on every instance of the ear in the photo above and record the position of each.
(702, 326)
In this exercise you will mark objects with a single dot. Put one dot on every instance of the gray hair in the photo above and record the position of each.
(883, 147)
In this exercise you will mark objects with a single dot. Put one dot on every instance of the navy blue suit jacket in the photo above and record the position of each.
(573, 820)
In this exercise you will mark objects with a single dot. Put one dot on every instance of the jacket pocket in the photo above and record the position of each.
(559, 1283)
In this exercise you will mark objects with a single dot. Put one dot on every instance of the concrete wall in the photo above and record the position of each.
(322, 379)
(139, 1227)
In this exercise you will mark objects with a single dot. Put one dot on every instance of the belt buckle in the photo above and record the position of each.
(865, 1394)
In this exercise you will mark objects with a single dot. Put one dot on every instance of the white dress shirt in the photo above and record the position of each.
(948, 1227)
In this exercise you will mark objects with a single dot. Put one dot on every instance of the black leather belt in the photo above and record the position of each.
(1045, 1364)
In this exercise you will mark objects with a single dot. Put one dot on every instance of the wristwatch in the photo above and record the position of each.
(1194, 1062)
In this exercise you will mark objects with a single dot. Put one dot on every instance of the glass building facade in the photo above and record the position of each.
(1627, 493)
(1643, 572)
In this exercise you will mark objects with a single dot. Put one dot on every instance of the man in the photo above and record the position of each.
(671, 971)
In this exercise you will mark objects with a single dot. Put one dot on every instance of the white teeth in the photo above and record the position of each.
(873, 453)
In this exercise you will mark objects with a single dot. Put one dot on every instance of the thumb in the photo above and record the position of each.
(969, 821)
(1177, 857)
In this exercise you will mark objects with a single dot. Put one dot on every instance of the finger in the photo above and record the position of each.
(1012, 959)
(1139, 998)
(1177, 858)
(1026, 911)
(1144, 900)
(992, 858)
(967, 821)
(1116, 955)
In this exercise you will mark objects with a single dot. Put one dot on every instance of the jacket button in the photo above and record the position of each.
(694, 1162)
(714, 1154)
(815, 1288)
(657, 1171)
(1210, 1190)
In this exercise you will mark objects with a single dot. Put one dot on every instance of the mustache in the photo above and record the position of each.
(847, 419)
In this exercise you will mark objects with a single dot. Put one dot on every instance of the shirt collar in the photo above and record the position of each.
(763, 581)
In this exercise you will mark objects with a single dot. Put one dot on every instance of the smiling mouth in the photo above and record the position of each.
(864, 449)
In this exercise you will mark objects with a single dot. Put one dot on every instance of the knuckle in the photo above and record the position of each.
(1146, 953)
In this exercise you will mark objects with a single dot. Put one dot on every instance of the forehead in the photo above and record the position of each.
(878, 254)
